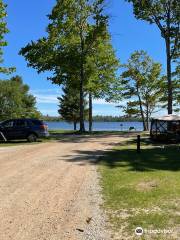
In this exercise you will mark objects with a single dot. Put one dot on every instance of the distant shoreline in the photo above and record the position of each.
(96, 119)
(120, 121)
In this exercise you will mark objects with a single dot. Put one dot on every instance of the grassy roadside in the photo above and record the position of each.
(142, 189)
(54, 135)
(58, 135)
(18, 143)
(61, 131)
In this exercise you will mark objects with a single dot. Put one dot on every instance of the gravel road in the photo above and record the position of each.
(50, 191)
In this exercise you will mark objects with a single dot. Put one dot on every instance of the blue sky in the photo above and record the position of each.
(27, 20)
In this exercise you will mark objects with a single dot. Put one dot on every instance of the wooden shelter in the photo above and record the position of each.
(165, 128)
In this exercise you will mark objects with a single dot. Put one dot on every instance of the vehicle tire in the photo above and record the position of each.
(32, 137)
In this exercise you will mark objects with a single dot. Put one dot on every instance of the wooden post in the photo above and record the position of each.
(138, 143)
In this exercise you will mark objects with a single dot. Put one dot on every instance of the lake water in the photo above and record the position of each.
(98, 126)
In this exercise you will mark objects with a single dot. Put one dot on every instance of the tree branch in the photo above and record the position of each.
(175, 42)
(158, 23)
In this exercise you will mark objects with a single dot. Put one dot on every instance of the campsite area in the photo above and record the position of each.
(90, 120)
(89, 187)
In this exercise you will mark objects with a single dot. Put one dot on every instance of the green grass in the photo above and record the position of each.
(142, 189)
(59, 135)
(54, 135)
(61, 131)
(18, 142)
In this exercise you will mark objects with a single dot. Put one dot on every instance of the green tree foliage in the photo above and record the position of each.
(15, 100)
(166, 15)
(101, 67)
(3, 31)
(72, 36)
(48, 118)
(176, 87)
(69, 105)
(176, 91)
(143, 86)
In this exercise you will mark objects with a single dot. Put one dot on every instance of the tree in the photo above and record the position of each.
(72, 34)
(176, 87)
(15, 100)
(176, 91)
(69, 105)
(3, 31)
(165, 14)
(142, 85)
(101, 70)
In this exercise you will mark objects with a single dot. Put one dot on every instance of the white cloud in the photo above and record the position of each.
(49, 96)
(46, 91)
(103, 101)
(42, 98)
(46, 95)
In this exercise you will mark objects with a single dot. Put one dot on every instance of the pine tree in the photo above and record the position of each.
(69, 107)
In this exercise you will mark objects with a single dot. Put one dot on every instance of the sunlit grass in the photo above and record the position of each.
(142, 189)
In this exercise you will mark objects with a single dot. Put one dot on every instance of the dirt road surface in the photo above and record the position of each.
(50, 191)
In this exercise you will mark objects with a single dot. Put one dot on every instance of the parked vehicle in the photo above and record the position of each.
(30, 129)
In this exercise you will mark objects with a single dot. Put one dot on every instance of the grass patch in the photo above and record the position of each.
(18, 142)
(54, 135)
(66, 132)
(61, 131)
(142, 189)
(60, 135)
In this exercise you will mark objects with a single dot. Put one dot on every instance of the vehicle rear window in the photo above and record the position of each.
(8, 124)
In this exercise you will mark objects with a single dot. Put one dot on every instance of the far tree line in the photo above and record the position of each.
(96, 118)
(78, 51)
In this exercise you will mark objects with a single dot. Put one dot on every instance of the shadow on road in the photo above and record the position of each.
(78, 138)
(153, 157)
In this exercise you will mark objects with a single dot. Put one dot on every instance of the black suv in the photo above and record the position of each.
(29, 129)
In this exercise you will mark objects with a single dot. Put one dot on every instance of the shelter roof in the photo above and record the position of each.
(170, 117)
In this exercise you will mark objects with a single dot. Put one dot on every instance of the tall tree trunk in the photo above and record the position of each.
(168, 56)
(82, 127)
(141, 110)
(75, 126)
(143, 118)
(169, 76)
(147, 118)
(90, 112)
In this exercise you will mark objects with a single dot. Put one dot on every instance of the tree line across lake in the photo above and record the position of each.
(77, 50)
(96, 118)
